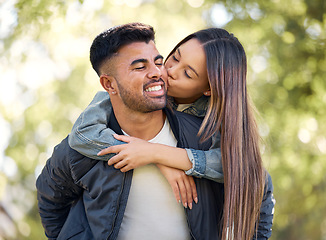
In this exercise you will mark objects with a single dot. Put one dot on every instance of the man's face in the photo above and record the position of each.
(141, 77)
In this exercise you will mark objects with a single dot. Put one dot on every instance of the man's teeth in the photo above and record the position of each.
(152, 89)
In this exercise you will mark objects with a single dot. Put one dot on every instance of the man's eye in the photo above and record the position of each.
(139, 68)
(159, 64)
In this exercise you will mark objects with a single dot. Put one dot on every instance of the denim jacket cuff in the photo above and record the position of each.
(196, 157)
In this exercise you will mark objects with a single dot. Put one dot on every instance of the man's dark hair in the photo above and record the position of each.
(107, 43)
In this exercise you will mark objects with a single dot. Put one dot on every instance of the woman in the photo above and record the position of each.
(207, 77)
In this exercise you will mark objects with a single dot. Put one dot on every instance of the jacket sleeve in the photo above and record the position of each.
(56, 190)
(207, 164)
(266, 211)
(90, 133)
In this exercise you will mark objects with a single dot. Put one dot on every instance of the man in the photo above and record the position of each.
(81, 198)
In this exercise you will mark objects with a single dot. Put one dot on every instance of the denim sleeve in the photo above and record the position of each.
(207, 164)
(90, 134)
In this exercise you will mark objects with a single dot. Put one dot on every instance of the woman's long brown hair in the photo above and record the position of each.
(231, 113)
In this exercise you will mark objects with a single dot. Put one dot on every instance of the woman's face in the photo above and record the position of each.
(187, 73)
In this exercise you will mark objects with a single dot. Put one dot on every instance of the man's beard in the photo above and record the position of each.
(142, 103)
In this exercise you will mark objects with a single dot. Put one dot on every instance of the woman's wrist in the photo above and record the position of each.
(159, 153)
(171, 157)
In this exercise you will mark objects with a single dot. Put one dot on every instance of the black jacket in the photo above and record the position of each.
(82, 198)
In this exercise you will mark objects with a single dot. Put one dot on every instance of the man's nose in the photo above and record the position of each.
(155, 72)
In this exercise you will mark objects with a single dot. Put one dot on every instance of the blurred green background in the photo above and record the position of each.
(46, 80)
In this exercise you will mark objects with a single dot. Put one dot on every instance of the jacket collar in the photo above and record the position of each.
(113, 124)
(198, 108)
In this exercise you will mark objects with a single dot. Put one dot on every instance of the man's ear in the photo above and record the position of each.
(207, 92)
(108, 83)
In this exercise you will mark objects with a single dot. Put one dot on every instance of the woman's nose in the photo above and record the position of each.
(171, 71)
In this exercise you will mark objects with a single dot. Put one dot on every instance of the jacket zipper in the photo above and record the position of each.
(117, 211)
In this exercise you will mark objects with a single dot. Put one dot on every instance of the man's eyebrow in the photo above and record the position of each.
(178, 50)
(141, 60)
(158, 57)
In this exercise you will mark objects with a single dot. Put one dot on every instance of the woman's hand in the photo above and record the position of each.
(182, 185)
(129, 156)
(139, 152)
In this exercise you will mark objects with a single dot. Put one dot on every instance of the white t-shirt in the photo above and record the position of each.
(152, 212)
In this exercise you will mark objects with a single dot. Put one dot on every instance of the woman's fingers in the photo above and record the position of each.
(105, 151)
(126, 168)
(115, 148)
(176, 192)
(183, 193)
(112, 149)
(120, 165)
(115, 160)
(189, 191)
(193, 189)
(122, 138)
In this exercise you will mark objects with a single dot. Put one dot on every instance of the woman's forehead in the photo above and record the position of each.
(192, 53)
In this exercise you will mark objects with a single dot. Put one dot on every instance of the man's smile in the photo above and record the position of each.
(155, 88)
(152, 89)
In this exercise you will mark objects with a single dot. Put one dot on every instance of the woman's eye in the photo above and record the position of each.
(175, 59)
(187, 75)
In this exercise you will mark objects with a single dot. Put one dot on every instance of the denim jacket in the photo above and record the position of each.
(90, 134)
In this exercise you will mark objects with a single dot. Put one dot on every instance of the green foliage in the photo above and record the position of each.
(46, 54)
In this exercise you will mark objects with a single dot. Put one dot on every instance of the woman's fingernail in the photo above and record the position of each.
(185, 205)
(196, 200)
(190, 205)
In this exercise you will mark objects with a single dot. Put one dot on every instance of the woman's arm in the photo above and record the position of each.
(90, 133)
(138, 152)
